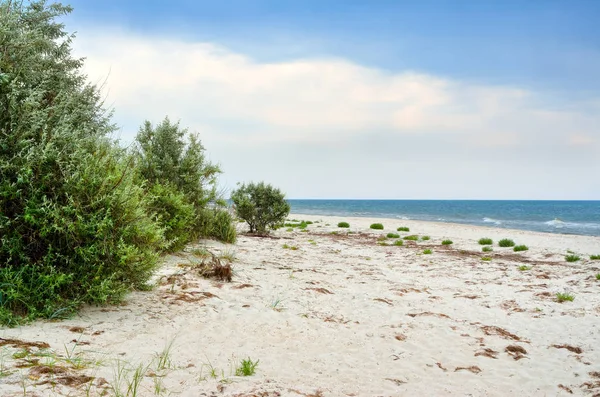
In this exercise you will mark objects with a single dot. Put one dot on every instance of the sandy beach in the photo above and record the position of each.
(331, 313)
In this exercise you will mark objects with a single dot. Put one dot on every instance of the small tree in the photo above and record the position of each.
(262, 206)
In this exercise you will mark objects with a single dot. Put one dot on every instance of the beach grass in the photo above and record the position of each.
(572, 258)
(412, 237)
(564, 297)
(486, 258)
(518, 248)
(487, 249)
(399, 243)
(485, 241)
(343, 224)
(427, 252)
(524, 268)
(594, 257)
(392, 235)
(403, 229)
(247, 367)
(447, 242)
(376, 226)
(506, 242)
(425, 238)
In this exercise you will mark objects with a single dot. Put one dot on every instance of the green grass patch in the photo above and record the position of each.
(524, 268)
(486, 258)
(427, 252)
(290, 247)
(425, 238)
(595, 257)
(393, 235)
(447, 242)
(520, 248)
(485, 241)
(487, 249)
(247, 367)
(403, 229)
(598, 276)
(343, 224)
(506, 242)
(572, 258)
(376, 226)
(412, 237)
(564, 297)
(399, 243)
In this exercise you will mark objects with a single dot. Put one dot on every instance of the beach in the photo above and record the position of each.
(330, 311)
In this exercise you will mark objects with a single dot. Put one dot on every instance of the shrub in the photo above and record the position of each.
(412, 237)
(262, 206)
(485, 241)
(598, 276)
(343, 224)
(506, 243)
(572, 258)
(393, 235)
(427, 251)
(247, 367)
(594, 257)
(376, 226)
(425, 238)
(403, 229)
(487, 249)
(564, 296)
(399, 243)
(520, 248)
(447, 242)
(524, 268)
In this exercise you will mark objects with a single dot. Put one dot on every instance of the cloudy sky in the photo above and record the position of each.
(364, 99)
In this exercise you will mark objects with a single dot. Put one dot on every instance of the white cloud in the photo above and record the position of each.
(328, 105)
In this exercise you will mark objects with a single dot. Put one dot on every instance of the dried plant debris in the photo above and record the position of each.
(473, 368)
(441, 315)
(487, 352)
(493, 330)
(573, 349)
(23, 344)
(517, 352)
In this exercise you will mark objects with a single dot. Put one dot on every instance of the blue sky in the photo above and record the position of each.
(519, 69)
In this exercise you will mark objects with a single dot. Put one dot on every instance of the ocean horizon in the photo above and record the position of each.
(581, 217)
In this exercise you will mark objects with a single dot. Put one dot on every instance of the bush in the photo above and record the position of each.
(399, 243)
(506, 243)
(343, 224)
(376, 226)
(412, 237)
(425, 238)
(74, 221)
(403, 229)
(486, 241)
(594, 257)
(520, 248)
(487, 249)
(447, 242)
(564, 297)
(572, 258)
(392, 235)
(262, 206)
(427, 252)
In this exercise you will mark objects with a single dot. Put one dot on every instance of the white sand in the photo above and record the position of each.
(344, 316)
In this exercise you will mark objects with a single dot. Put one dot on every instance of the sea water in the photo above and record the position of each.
(569, 217)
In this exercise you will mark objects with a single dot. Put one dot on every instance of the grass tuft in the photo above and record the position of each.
(399, 243)
(487, 249)
(598, 276)
(247, 367)
(412, 237)
(376, 226)
(572, 258)
(343, 224)
(392, 235)
(447, 242)
(595, 257)
(506, 242)
(427, 252)
(524, 268)
(403, 229)
(486, 241)
(563, 297)
(486, 258)
(520, 248)
(425, 238)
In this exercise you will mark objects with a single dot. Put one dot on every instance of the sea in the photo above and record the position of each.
(567, 217)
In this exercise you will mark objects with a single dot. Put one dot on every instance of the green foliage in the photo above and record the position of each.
(74, 220)
(427, 252)
(376, 226)
(520, 248)
(594, 257)
(524, 268)
(399, 243)
(487, 249)
(343, 224)
(564, 297)
(412, 237)
(486, 241)
(425, 238)
(572, 258)
(262, 206)
(403, 229)
(506, 243)
(447, 242)
(247, 367)
(486, 258)
(175, 214)
(598, 276)
(392, 235)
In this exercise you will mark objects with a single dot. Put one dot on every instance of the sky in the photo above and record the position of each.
(431, 99)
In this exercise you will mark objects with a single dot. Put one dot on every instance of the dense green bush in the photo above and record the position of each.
(403, 229)
(343, 224)
(506, 243)
(485, 241)
(262, 206)
(520, 248)
(447, 242)
(392, 235)
(376, 226)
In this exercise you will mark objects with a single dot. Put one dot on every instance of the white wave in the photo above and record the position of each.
(557, 223)
(492, 220)
(405, 218)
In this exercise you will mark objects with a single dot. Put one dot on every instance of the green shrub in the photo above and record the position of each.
(524, 268)
(262, 206)
(594, 257)
(572, 258)
(564, 297)
(447, 242)
(506, 243)
(427, 251)
(487, 249)
(412, 237)
(425, 238)
(247, 367)
(376, 226)
(485, 241)
(343, 224)
(174, 214)
(598, 276)
(399, 243)
(486, 258)
(403, 229)
(520, 248)
(392, 235)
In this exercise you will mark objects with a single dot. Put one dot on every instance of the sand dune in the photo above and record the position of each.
(340, 315)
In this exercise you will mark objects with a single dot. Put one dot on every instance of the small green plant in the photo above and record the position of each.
(381, 238)
(520, 248)
(485, 241)
(289, 229)
(399, 243)
(376, 226)
(506, 242)
(163, 359)
(383, 243)
(309, 222)
(564, 296)
(427, 252)
(447, 242)
(335, 233)
(247, 367)
(403, 229)
(595, 257)
(487, 249)
(228, 255)
(201, 252)
(572, 258)
(312, 242)
(344, 224)
(486, 258)
(598, 276)
(524, 268)
(425, 238)
(392, 235)
(290, 247)
(412, 237)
